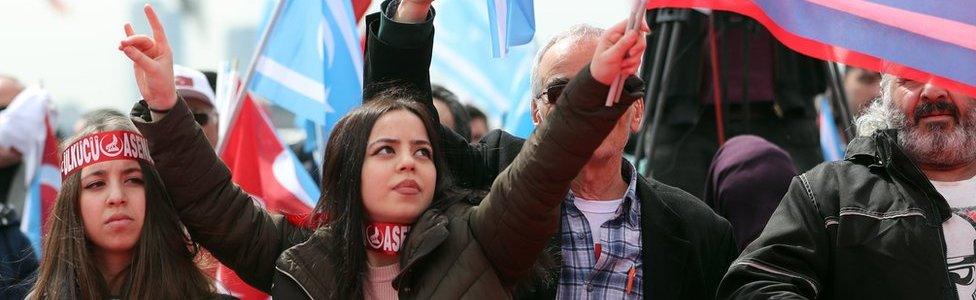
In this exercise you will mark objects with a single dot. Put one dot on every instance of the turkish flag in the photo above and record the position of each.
(359, 8)
(50, 182)
(264, 168)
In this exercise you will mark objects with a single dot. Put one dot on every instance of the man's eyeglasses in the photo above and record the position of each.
(552, 93)
(201, 118)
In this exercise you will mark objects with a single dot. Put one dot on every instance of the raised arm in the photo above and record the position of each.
(398, 49)
(217, 213)
(521, 212)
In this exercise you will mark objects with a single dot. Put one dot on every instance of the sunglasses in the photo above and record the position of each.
(202, 118)
(552, 93)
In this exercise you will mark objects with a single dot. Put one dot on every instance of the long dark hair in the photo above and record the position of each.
(162, 266)
(341, 204)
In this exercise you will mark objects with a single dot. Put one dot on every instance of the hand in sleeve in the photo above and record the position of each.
(412, 11)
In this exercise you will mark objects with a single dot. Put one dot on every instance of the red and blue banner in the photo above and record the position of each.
(927, 41)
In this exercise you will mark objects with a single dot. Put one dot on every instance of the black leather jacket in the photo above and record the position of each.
(866, 227)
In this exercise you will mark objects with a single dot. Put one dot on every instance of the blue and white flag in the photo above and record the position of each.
(512, 23)
(461, 62)
(831, 143)
(312, 62)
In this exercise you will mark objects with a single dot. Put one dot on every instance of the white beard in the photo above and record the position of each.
(937, 146)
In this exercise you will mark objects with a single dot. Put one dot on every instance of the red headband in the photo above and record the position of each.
(102, 147)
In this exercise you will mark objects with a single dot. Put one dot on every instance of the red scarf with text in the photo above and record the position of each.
(386, 238)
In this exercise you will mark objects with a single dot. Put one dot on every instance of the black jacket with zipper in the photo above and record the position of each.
(868, 227)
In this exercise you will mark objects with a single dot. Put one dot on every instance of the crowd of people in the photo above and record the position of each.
(421, 200)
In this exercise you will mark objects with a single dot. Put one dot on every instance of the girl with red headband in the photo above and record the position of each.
(113, 232)
(392, 226)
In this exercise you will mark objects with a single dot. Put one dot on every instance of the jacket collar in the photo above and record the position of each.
(863, 149)
(664, 253)
(631, 206)
(882, 151)
(428, 233)
(879, 149)
(303, 261)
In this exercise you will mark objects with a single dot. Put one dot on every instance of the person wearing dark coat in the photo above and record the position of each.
(896, 219)
(678, 247)
(389, 224)
(18, 264)
(747, 179)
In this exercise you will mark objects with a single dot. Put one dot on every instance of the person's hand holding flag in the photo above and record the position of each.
(635, 22)
(412, 11)
(618, 52)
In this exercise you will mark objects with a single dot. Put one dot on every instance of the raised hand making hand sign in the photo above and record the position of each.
(152, 62)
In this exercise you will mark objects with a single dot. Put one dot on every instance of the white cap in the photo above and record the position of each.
(192, 83)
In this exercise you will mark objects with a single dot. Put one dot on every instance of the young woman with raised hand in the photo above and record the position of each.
(389, 223)
(113, 232)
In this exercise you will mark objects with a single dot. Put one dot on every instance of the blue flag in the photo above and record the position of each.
(831, 144)
(461, 62)
(512, 23)
(312, 64)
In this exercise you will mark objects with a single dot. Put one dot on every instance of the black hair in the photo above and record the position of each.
(475, 113)
(460, 114)
(340, 209)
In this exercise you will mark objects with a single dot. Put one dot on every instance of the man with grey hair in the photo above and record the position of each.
(540, 82)
(895, 219)
(621, 235)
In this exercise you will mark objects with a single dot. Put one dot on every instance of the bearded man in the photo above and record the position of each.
(894, 220)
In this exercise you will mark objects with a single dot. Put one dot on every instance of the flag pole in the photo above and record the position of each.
(249, 74)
